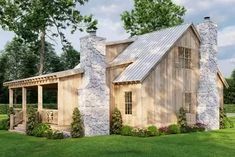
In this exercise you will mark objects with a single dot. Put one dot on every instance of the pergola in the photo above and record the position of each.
(63, 79)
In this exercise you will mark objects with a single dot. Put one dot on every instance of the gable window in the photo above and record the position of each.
(185, 58)
(128, 102)
(188, 102)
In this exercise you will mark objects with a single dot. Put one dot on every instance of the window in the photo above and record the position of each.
(185, 58)
(128, 102)
(188, 102)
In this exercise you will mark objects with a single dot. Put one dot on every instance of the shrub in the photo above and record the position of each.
(116, 122)
(32, 121)
(231, 123)
(224, 121)
(182, 118)
(140, 132)
(55, 135)
(77, 129)
(126, 130)
(200, 127)
(4, 124)
(153, 131)
(174, 129)
(164, 130)
(4, 108)
(41, 130)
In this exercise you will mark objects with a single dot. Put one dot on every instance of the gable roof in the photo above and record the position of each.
(221, 77)
(147, 51)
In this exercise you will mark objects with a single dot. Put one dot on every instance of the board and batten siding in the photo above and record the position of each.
(157, 100)
(68, 98)
(163, 91)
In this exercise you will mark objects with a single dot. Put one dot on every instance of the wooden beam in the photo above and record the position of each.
(40, 98)
(24, 103)
(11, 94)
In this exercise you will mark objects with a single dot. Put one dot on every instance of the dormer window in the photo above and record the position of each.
(185, 57)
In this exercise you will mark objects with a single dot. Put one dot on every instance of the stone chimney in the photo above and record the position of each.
(208, 97)
(94, 93)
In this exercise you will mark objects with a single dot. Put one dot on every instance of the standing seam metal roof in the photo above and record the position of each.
(146, 51)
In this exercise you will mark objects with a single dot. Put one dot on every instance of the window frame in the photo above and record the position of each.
(188, 102)
(185, 57)
(128, 97)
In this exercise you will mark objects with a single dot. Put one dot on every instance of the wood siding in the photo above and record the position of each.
(157, 100)
(67, 98)
(220, 86)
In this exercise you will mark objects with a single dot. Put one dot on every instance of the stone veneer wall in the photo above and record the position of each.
(208, 96)
(94, 94)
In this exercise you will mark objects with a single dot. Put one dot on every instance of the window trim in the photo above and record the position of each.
(128, 102)
(188, 102)
(185, 57)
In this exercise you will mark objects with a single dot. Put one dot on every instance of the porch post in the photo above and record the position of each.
(11, 92)
(24, 103)
(40, 98)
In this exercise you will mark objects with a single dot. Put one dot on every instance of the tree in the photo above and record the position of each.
(32, 20)
(233, 74)
(151, 15)
(77, 128)
(70, 58)
(19, 60)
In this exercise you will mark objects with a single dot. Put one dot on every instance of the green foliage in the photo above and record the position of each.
(77, 127)
(31, 20)
(164, 130)
(182, 118)
(151, 15)
(32, 120)
(212, 143)
(152, 131)
(70, 58)
(116, 122)
(4, 108)
(4, 124)
(127, 130)
(41, 130)
(140, 132)
(229, 108)
(174, 129)
(55, 135)
(233, 74)
(229, 93)
(225, 122)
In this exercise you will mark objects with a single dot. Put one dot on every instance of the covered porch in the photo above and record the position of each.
(65, 85)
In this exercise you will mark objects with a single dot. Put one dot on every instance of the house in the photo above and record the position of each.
(147, 77)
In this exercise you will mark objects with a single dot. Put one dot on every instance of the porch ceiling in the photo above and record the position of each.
(43, 79)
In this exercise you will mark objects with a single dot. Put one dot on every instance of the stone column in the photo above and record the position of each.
(24, 103)
(94, 95)
(40, 98)
(11, 96)
(208, 96)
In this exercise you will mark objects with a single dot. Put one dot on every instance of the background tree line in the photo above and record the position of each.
(20, 59)
(229, 94)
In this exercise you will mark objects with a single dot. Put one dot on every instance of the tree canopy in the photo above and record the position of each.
(32, 20)
(151, 15)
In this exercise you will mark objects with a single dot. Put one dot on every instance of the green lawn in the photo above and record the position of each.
(3, 116)
(229, 108)
(208, 144)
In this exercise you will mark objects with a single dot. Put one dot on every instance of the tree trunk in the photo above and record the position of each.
(42, 52)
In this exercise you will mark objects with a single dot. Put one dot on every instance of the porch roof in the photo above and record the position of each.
(42, 79)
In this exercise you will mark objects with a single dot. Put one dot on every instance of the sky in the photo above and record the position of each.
(107, 12)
